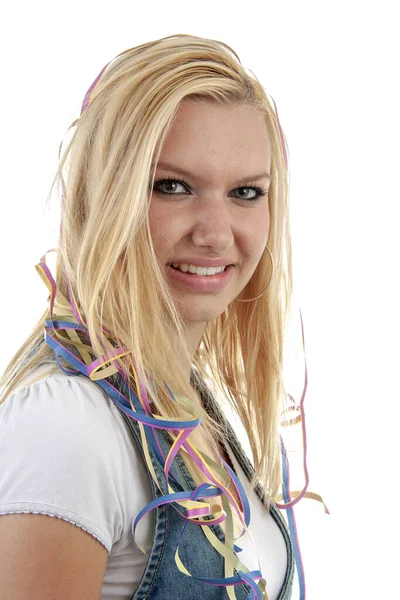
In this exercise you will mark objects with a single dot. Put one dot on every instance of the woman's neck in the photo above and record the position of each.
(193, 333)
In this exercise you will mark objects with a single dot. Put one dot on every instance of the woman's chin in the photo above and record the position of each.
(201, 311)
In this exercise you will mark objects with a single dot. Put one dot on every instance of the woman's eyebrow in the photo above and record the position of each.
(170, 167)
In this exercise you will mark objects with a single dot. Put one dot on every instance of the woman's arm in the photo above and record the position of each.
(44, 557)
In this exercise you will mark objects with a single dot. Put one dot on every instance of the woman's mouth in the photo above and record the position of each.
(201, 271)
(203, 279)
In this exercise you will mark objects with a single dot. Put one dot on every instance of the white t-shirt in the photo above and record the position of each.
(66, 451)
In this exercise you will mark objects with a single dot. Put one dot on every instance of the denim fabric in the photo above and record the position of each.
(162, 580)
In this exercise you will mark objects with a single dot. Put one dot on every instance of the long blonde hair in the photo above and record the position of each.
(107, 253)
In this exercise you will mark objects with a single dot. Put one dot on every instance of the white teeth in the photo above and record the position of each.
(183, 268)
(198, 270)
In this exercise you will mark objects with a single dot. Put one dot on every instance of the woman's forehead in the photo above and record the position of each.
(208, 140)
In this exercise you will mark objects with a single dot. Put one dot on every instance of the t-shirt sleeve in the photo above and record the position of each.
(61, 445)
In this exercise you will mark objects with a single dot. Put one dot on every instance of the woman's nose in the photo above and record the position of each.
(212, 225)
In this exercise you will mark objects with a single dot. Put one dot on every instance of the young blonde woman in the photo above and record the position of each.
(173, 282)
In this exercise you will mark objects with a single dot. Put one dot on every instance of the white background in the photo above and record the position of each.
(332, 68)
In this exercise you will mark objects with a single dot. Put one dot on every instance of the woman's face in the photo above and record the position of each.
(215, 218)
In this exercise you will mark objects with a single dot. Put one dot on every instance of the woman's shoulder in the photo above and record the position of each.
(49, 387)
(68, 428)
(52, 406)
(50, 375)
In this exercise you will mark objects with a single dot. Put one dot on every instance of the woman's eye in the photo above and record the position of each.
(170, 186)
(256, 190)
(248, 189)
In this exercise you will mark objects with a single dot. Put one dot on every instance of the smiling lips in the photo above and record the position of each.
(200, 279)
(197, 270)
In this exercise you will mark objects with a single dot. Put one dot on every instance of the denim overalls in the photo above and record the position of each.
(162, 580)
